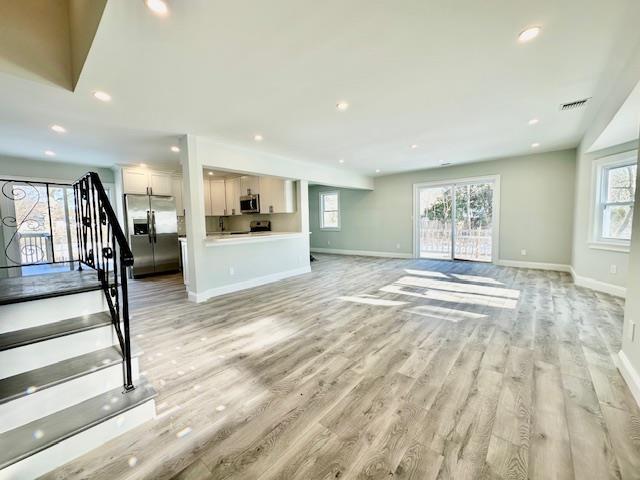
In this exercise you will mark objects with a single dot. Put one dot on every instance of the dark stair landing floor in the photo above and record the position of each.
(36, 287)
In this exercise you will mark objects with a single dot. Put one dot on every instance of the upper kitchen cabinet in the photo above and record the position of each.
(233, 190)
(277, 195)
(217, 192)
(249, 185)
(160, 183)
(142, 181)
(176, 189)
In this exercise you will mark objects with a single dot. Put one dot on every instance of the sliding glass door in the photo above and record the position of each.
(456, 220)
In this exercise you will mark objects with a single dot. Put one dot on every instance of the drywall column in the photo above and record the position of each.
(303, 205)
(193, 197)
(629, 356)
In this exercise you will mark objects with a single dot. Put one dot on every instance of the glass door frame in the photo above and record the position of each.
(495, 220)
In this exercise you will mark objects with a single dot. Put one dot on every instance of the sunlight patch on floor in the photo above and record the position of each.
(372, 301)
(455, 297)
(425, 273)
(448, 314)
(458, 287)
(475, 278)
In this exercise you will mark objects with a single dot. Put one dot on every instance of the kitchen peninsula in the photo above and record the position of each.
(254, 234)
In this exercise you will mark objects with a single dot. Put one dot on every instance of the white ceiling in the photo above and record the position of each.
(625, 125)
(448, 76)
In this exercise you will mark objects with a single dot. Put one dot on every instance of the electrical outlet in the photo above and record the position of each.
(613, 269)
(328, 242)
(398, 246)
(523, 252)
(232, 271)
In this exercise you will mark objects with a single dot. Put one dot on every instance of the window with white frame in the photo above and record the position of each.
(616, 187)
(330, 210)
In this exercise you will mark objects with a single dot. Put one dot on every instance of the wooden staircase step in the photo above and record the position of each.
(27, 336)
(38, 287)
(27, 383)
(34, 437)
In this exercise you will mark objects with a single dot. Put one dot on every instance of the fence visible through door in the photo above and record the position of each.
(456, 221)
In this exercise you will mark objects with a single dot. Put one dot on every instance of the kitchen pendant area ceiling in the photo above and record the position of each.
(349, 84)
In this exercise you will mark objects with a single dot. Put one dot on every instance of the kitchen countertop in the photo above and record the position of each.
(226, 238)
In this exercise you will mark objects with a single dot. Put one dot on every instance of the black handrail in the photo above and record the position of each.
(102, 245)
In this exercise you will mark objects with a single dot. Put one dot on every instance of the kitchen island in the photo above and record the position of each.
(236, 261)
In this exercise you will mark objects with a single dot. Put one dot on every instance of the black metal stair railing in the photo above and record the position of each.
(102, 245)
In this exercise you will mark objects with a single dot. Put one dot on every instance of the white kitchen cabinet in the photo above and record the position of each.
(176, 191)
(142, 181)
(249, 183)
(206, 189)
(135, 181)
(217, 192)
(160, 183)
(277, 195)
(232, 195)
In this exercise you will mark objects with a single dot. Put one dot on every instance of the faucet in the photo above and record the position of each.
(221, 223)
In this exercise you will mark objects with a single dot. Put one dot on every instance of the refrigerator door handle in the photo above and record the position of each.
(153, 221)
(149, 227)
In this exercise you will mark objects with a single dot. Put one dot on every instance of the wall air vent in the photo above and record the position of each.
(575, 104)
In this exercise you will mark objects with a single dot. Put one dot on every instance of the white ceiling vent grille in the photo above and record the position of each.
(574, 105)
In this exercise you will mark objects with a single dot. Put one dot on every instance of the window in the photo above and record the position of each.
(329, 211)
(615, 198)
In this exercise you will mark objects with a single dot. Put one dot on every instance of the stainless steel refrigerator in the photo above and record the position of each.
(152, 226)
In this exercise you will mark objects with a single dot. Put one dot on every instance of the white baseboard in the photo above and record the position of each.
(558, 267)
(254, 282)
(597, 285)
(629, 374)
(362, 253)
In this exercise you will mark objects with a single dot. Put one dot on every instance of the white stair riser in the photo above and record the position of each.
(17, 316)
(53, 399)
(73, 447)
(40, 354)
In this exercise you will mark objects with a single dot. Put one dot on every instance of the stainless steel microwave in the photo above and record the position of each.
(250, 204)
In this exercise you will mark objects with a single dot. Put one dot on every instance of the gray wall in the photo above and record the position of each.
(26, 167)
(589, 262)
(536, 209)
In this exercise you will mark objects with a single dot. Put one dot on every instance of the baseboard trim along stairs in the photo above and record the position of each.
(61, 373)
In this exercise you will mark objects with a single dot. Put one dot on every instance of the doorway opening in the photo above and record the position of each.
(457, 219)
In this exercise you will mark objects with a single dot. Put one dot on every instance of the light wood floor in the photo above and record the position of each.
(380, 368)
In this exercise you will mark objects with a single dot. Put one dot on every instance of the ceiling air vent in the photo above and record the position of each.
(574, 105)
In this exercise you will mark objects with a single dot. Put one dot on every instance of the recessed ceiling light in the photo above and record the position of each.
(175, 149)
(50, 153)
(535, 145)
(102, 96)
(377, 170)
(159, 7)
(258, 137)
(342, 106)
(341, 160)
(414, 146)
(58, 129)
(529, 34)
(210, 173)
(534, 121)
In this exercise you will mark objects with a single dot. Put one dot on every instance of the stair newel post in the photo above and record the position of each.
(128, 379)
